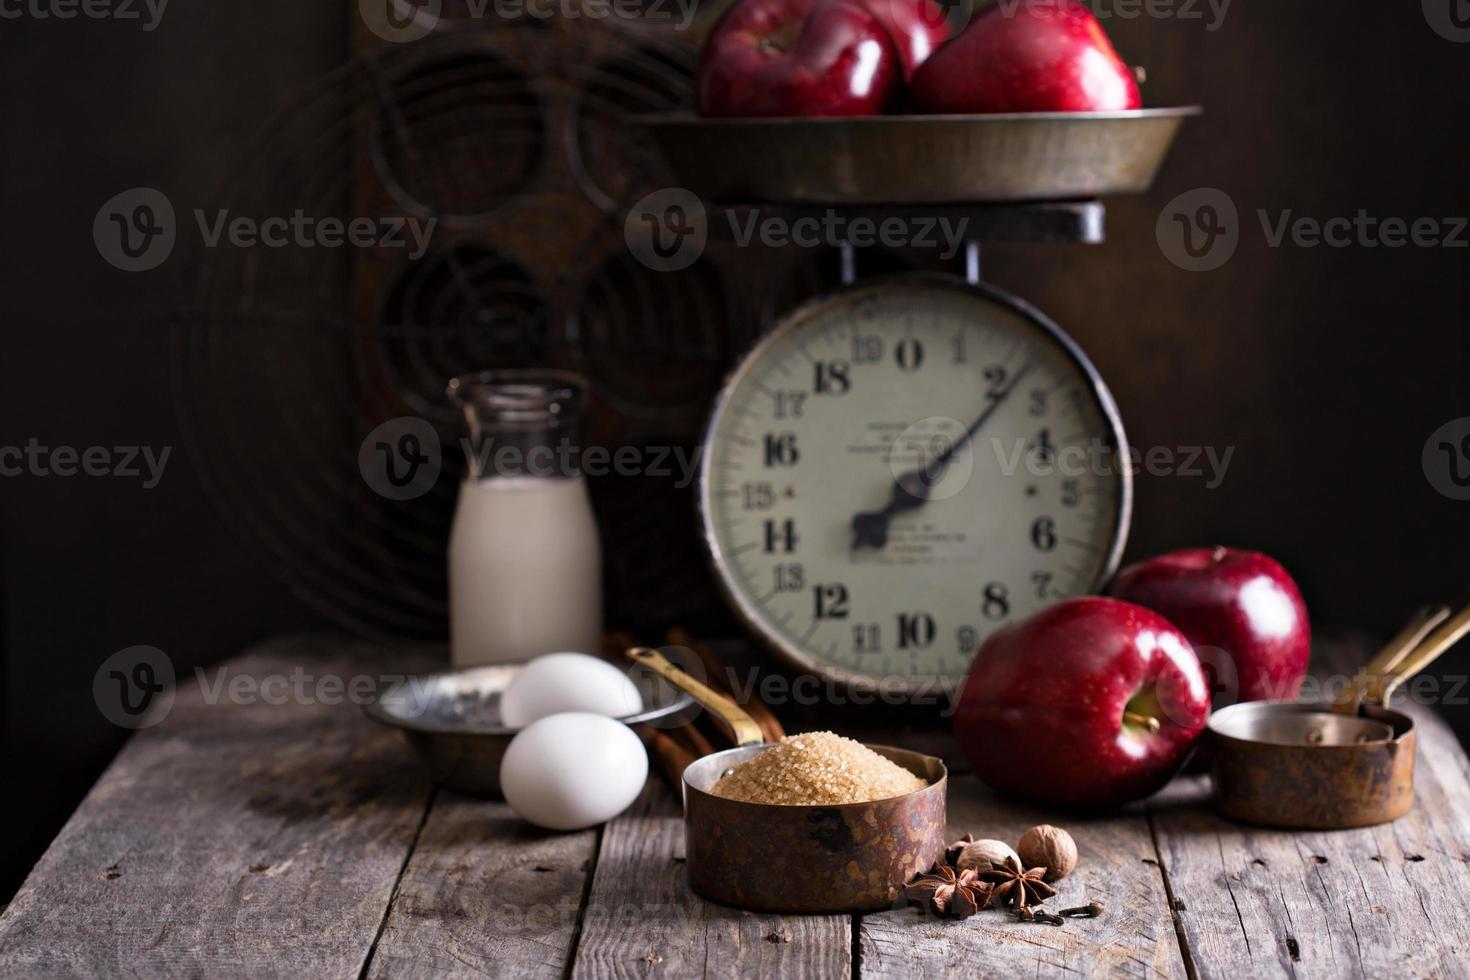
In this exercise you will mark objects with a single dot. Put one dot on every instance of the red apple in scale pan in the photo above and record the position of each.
(798, 58)
(1241, 611)
(1020, 56)
(918, 27)
(1091, 702)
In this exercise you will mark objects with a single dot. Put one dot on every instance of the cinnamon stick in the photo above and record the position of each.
(670, 755)
(673, 749)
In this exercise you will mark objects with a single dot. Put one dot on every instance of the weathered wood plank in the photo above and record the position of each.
(271, 840)
(1392, 900)
(231, 840)
(643, 921)
(1134, 938)
(485, 895)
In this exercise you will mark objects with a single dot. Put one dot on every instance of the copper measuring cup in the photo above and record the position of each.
(800, 859)
(1350, 764)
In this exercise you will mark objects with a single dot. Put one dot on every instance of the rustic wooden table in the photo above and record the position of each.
(300, 840)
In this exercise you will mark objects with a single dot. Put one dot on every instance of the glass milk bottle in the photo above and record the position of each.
(524, 559)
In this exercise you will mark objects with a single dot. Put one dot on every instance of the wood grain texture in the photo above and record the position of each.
(485, 895)
(1134, 938)
(643, 921)
(298, 839)
(230, 840)
(1392, 900)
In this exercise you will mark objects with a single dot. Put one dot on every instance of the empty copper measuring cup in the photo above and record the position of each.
(800, 859)
(1323, 767)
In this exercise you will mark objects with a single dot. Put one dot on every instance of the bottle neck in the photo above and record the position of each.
(520, 423)
(513, 453)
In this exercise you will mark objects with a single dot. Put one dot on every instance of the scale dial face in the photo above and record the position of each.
(855, 527)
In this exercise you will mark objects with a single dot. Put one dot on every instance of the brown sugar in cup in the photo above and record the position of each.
(812, 858)
(817, 769)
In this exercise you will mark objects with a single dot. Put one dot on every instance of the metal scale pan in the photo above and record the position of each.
(1032, 156)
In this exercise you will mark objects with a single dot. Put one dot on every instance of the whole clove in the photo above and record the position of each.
(1089, 911)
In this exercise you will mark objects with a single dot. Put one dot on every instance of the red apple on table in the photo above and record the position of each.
(918, 27)
(1090, 702)
(798, 58)
(1027, 56)
(1241, 611)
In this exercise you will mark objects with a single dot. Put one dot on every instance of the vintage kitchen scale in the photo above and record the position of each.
(906, 464)
(288, 360)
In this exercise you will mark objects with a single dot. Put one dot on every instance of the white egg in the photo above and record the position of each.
(560, 682)
(573, 770)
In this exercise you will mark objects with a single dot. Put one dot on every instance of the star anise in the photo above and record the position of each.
(952, 852)
(960, 895)
(1018, 888)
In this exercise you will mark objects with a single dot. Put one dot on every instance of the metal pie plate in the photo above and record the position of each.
(918, 159)
(452, 720)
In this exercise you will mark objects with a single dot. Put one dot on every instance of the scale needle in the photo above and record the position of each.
(912, 490)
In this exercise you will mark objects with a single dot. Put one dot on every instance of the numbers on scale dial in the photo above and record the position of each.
(822, 425)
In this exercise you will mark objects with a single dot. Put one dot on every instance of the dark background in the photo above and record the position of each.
(1326, 369)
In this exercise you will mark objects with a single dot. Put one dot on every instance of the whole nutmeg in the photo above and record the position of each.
(982, 855)
(1048, 847)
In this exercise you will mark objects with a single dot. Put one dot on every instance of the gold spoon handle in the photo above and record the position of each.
(1445, 636)
(741, 726)
(1365, 685)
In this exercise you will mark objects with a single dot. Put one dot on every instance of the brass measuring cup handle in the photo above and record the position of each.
(1431, 632)
(1365, 683)
(741, 726)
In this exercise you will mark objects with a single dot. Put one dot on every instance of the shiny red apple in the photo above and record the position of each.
(918, 27)
(798, 58)
(1241, 611)
(1025, 56)
(1090, 702)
